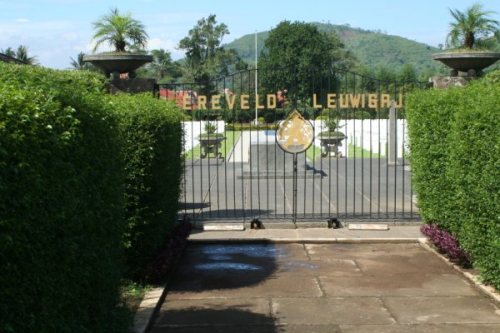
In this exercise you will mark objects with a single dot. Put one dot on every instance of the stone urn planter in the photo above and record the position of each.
(116, 63)
(467, 63)
(210, 143)
(330, 143)
(331, 139)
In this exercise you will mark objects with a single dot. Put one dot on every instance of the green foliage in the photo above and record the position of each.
(61, 212)
(163, 68)
(152, 135)
(250, 127)
(210, 128)
(474, 146)
(492, 77)
(455, 145)
(20, 54)
(429, 115)
(470, 28)
(372, 49)
(120, 31)
(206, 59)
(297, 56)
(79, 64)
(82, 176)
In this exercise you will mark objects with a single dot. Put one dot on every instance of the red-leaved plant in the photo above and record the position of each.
(446, 243)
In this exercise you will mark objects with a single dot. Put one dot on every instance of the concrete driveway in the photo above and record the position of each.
(321, 288)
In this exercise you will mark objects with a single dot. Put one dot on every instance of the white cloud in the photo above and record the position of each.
(22, 20)
(70, 36)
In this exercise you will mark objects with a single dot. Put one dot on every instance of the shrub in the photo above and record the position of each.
(430, 113)
(361, 115)
(474, 167)
(152, 136)
(446, 243)
(61, 212)
(250, 127)
(455, 145)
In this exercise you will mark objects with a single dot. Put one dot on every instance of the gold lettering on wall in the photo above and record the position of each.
(330, 101)
(244, 102)
(186, 102)
(385, 100)
(372, 101)
(315, 103)
(216, 102)
(202, 102)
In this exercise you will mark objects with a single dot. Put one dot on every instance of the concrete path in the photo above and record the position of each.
(339, 287)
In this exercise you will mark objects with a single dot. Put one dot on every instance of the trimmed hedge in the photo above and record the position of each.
(152, 136)
(430, 113)
(89, 187)
(455, 145)
(474, 166)
(61, 207)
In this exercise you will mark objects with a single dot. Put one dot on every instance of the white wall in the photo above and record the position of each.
(369, 134)
(192, 129)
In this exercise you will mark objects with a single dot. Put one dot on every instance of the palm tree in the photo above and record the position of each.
(9, 52)
(120, 31)
(80, 64)
(20, 54)
(471, 26)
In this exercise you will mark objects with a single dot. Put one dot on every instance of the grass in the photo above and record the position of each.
(313, 152)
(354, 151)
(226, 146)
(132, 294)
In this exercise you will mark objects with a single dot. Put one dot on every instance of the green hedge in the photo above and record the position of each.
(474, 166)
(455, 146)
(430, 114)
(61, 207)
(152, 135)
(89, 187)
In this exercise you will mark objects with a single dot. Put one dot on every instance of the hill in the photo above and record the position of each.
(373, 49)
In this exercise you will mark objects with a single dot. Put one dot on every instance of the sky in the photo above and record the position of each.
(56, 30)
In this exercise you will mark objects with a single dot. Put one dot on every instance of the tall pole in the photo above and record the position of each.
(256, 80)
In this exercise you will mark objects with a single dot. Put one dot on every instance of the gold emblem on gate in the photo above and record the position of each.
(295, 134)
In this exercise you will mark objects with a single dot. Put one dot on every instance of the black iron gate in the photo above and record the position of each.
(356, 168)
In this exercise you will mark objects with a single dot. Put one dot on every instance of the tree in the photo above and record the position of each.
(298, 58)
(206, 59)
(385, 75)
(120, 31)
(21, 54)
(471, 27)
(162, 67)
(408, 74)
(9, 52)
(79, 64)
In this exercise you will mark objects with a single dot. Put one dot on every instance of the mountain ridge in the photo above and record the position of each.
(373, 49)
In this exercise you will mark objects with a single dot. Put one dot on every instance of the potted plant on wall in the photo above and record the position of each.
(127, 36)
(472, 33)
(210, 141)
(331, 139)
